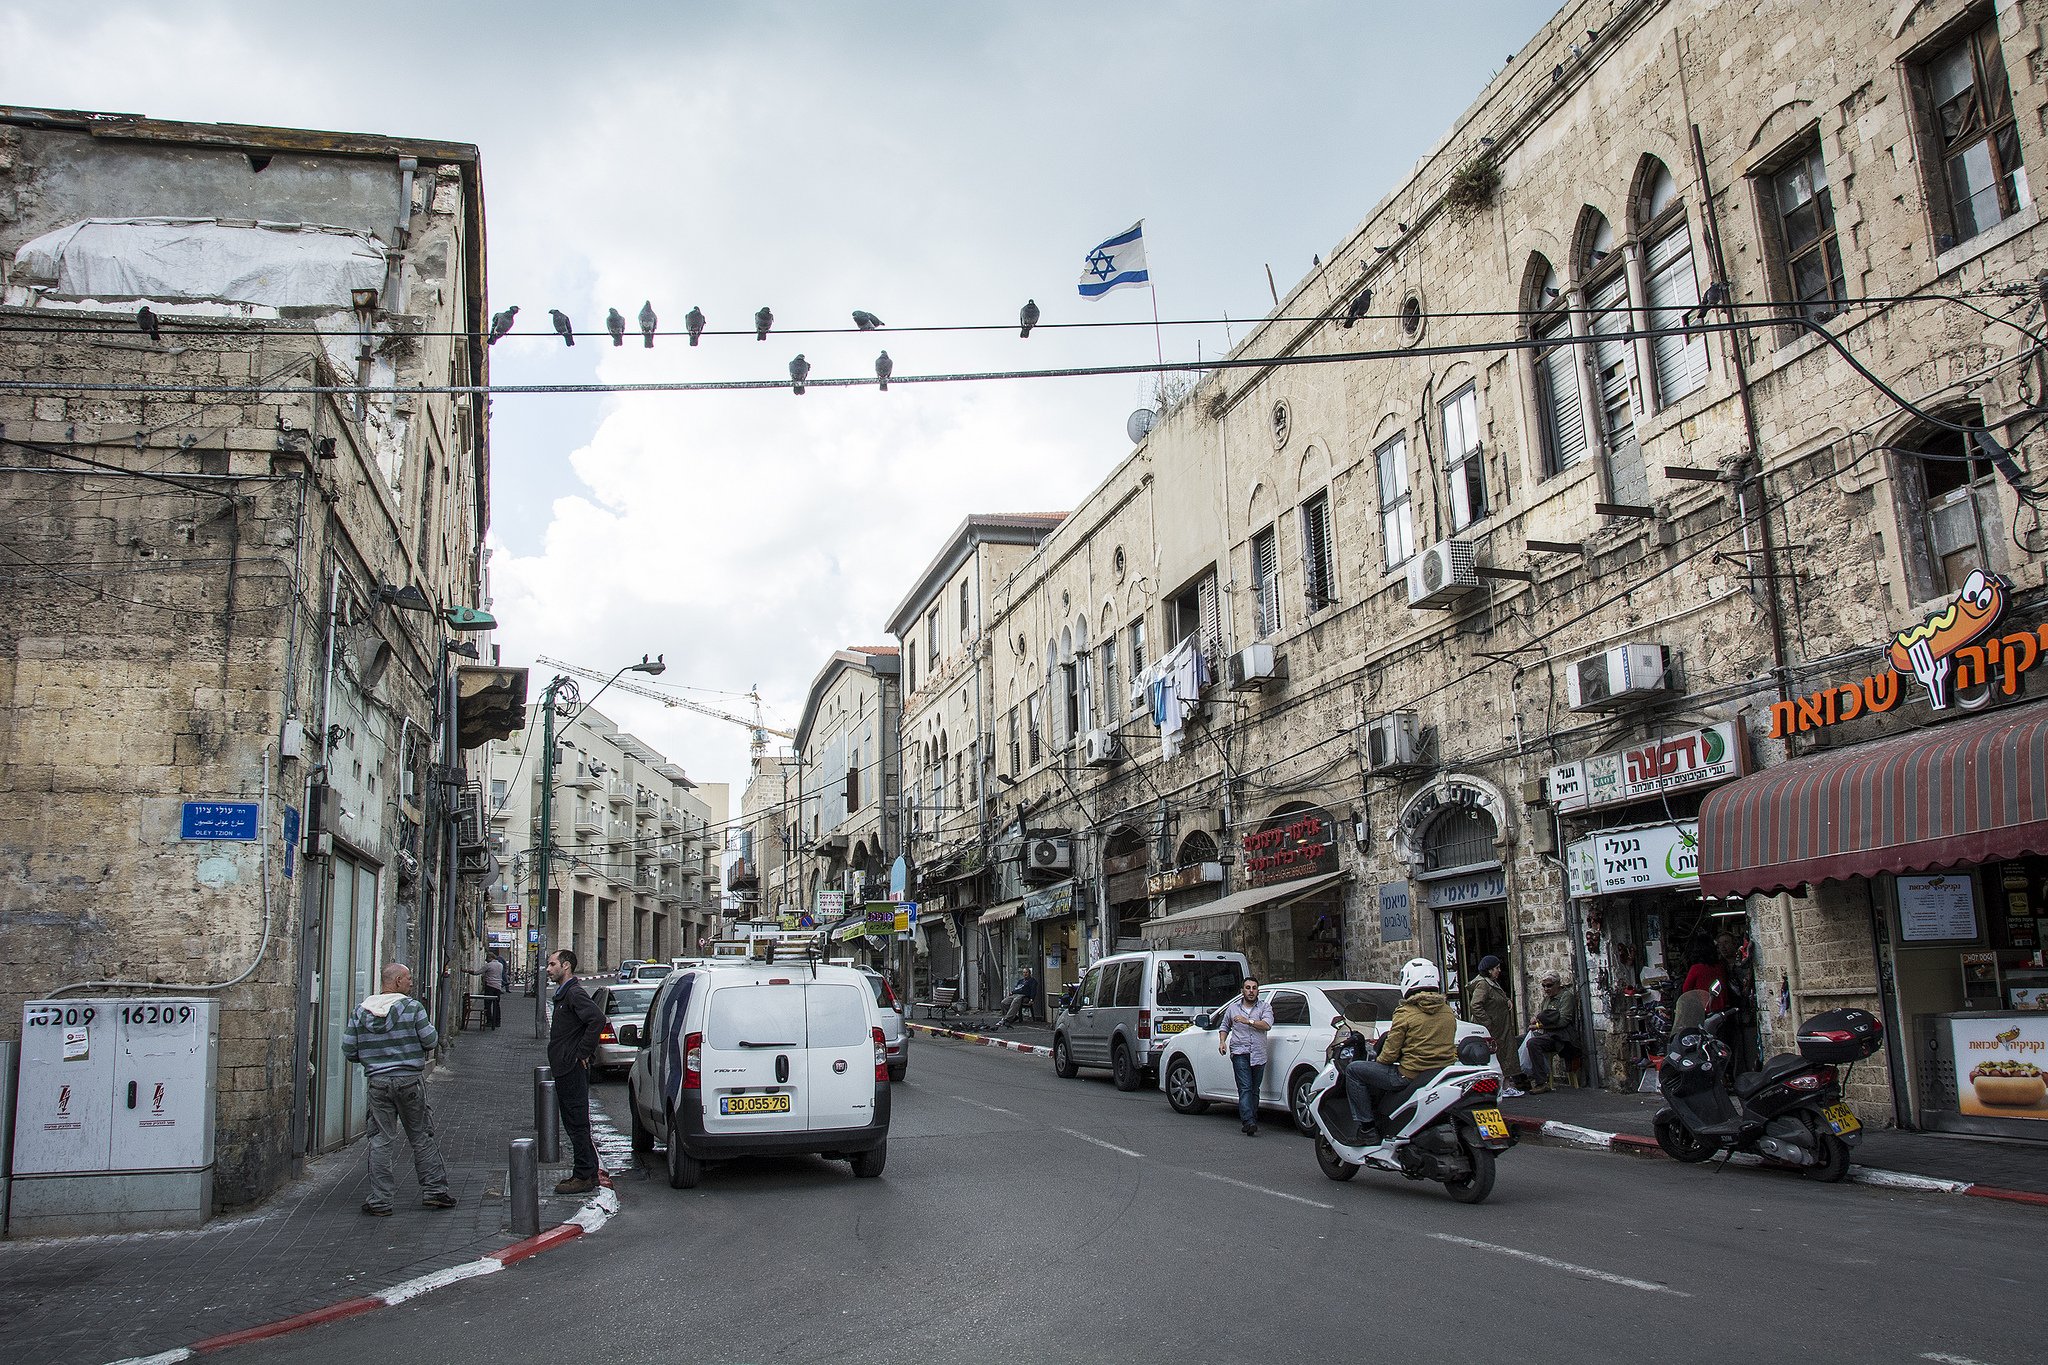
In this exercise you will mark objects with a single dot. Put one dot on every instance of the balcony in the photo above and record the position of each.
(581, 778)
(741, 877)
(589, 820)
(619, 792)
(671, 818)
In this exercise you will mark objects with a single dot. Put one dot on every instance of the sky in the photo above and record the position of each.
(932, 163)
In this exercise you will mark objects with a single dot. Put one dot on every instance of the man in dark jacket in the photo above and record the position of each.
(572, 1042)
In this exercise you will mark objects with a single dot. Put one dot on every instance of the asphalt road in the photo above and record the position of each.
(1026, 1218)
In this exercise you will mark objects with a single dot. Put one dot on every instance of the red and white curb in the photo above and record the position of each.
(937, 1032)
(594, 1214)
(1572, 1135)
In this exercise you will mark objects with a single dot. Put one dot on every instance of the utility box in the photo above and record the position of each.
(113, 1119)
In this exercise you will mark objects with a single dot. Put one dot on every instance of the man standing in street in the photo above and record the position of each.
(1020, 998)
(391, 1036)
(572, 1042)
(494, 979)
(1241, 1032)
(1488, 1004)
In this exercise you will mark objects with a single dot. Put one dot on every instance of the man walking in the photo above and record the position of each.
(1020, 998)
(1241, 1032)
(391, 1036)
(572, 1042)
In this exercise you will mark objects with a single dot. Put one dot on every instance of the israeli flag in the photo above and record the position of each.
(1116, 263)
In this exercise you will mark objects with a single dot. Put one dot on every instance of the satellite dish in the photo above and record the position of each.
(1139, 423)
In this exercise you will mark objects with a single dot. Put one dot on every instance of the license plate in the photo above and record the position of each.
(753, 1104)
(1841, 1119)
(1490, 1122)
(1174, 1026)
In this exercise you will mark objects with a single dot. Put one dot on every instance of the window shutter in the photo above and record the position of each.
(1563, 415)
(1211, 642)
(1681, 364)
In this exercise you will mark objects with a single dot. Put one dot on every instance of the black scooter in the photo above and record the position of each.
(1789, 1112)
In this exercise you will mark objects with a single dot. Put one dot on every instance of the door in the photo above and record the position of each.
(840, 1056)
(1117, 1012)
(752, 1058)
(1082, 1038)
(1285, 1043)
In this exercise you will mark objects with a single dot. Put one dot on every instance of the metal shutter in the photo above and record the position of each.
(1564, 418)
(1681, 364)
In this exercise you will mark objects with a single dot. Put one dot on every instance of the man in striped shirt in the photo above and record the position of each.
(391, 1036)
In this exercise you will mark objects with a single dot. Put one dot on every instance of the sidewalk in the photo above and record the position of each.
(96, 1299)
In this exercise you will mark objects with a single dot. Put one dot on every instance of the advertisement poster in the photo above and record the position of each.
(1998, 1067)
(1937, 908)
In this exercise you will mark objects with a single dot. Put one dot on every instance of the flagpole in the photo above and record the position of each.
(1158, 346)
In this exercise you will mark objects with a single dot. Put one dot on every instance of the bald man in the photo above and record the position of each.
(391, 1036)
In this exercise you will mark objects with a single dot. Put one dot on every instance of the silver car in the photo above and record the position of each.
(893, 1032)
(625, 1011)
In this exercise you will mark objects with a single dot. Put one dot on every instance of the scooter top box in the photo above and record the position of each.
(1846, 1035)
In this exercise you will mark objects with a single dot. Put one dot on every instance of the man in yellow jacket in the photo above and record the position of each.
(1420, 1040)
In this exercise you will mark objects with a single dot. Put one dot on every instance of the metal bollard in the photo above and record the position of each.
(551, 1130)
(522, 1188)
(541, 1105)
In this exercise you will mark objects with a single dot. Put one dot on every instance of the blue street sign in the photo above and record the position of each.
(291, 840)
(218, 820)
(533, 936)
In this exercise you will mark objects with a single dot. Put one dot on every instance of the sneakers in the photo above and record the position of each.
(1508, 1092)
(377, 1210)
(576, 1185)
(443, 1200)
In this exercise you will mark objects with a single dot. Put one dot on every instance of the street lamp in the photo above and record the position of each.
(562, 691)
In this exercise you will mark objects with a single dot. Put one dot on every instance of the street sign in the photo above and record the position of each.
(218, 820)
(533, 936)
(512, 917)
(291, 840)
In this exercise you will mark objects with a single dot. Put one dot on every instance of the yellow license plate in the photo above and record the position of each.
(1841, 1119)
(1490, 1122)
(753, 1104)
(1174, 1026)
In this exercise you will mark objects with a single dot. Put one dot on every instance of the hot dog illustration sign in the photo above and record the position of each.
(1999, 1065)
(1957, 655)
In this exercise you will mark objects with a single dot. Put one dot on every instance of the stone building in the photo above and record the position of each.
(1698, 358)
(759, 880)
(845, 820)
(236, 579)
(636, 847)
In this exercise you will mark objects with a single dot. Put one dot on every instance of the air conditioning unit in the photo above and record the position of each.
(1618, 677)
(1393, 743)
(1254, 668)
(1049, 855)
(1103, 750)
(1441, 574)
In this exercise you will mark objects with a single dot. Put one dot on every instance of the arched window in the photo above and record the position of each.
(1679, 364)
(1556, 366)
(1196, 849)
(1460, 837)
(1602, 277)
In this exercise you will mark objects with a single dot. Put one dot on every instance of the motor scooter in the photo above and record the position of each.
(1788, 1112)
(1445, 1127)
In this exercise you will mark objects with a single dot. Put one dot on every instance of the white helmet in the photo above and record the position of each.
(1420, 975)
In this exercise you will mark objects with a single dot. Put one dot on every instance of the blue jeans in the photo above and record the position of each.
(398, 1102)
(1249, 1074)
(1364, 1080)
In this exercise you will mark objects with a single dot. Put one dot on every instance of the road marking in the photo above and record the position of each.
(160, 1358)
(1261, 1189)
(1586, 1271)
(1100, 1143)
(439, 1279)
(1946, 1359)
(979, 1105)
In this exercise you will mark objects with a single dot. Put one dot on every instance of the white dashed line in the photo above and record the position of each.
(1946, 1359)
(1585, 1272)
(993, 1109)
(1261, 1189)
(1125, 1151)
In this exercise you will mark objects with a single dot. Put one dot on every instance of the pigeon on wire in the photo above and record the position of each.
(763, 320)
(501, 323)
(1361, 304)
(799, 371)
(1027, 317)
(694, 320)
(615, 323)
(867, 321)
(1715, 297)
(884, 367)
(563, 326)
(146, 319)
(647, 321)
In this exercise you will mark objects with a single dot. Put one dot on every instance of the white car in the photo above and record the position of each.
(1194, 1075)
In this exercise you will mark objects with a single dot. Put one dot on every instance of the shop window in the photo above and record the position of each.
(1318, 557)
(1802, 209)
(1950, 511)
(1459, 838)
(1966, 106)
(1265, 584)
(1464, 459)
(1397, 502)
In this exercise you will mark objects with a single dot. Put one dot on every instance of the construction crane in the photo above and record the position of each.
(757, 731)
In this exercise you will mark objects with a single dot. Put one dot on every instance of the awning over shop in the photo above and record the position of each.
(1224, 913)
(1965, 793)
(995, 914)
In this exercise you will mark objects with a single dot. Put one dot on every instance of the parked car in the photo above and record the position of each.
(625, 1011)
(894, 1034)
(1130, 1004)
(629, 966)
(1194, 1074)
(761, 1059)
(652, 971)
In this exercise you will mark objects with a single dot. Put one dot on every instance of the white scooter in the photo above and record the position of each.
(1445, 1127)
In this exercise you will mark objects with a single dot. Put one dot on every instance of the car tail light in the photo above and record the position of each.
(889, 996)
(693, 1061)
(881, 1054)
(1485, 1085)
(608, 1036)
(1144, 1023)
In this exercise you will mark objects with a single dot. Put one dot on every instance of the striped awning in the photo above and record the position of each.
(1970, 792)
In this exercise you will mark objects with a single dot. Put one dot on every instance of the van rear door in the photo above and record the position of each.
(753, 1059)
(841, 1057)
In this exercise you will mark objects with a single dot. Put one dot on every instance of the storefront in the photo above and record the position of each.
(1126, 865)
(1003, 944)
(1449, 834)
(1244, 922)
(1302, 935)
(1936, 840)
(1054, 924)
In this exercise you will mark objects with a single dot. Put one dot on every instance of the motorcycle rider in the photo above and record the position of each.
(1420, 1040)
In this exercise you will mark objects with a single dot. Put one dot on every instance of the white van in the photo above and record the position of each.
(759, 1059)
(1130, 1005)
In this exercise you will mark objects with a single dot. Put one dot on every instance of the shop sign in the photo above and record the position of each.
(1955, 651)
(831, 904)
(879, 917)
(1186, 879)
(1999, 1065)
(1695, 758)
(1302, 847)
(1397, 920)
(1052, 903)
(1641, 859)
(1937, 909)
(1475, 888)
